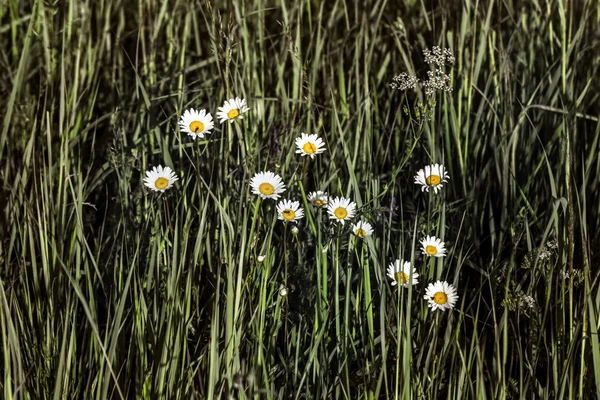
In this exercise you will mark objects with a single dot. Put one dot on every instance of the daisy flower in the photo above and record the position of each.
(160, 179)
(441, 295)
(433, 247)
(289, 211)
(196, 123)
(432, 176)
(402, 273)
(341, 209)
(309, 145)
(232, 109)
(318, 198)
(362, 229)
(267, 185)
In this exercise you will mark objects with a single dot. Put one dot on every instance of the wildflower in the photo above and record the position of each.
(438, 57)
(402, 273)
(544, 255)
(318, 198)
(441, 295)
(433, 247)
(290, 211)
(404, 82)
(232, 109)
(260, 258)
(566, 274)
(525, 301)
(341, 209)
(160, 179)
(362, 229)
(309, 145)
(438, 81)
(432, 176)
(196, 123)
(267, 185)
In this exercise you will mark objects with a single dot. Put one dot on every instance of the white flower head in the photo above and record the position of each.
(267, 185)
(160, 179)
(433, 247)
(260, 258)
(232, 109)
(318, 198)
(432, 176)
(362, 229)
(402, 273)
(309, 145)
(441, 296)
(196, 123)
(289, 211)
(525, 301)
(341, 209)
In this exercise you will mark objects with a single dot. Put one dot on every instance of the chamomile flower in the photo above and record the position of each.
(432, 176)
(160, 179)
(196, 123)
(402, 273)
(267, 185)
(433, 247)
(289, 211)
(309, 145)
(441, 296)
(318, 198)
(341, 209)
(232, 109)
(362, 229)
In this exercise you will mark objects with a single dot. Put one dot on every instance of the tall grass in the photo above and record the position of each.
(108, 290)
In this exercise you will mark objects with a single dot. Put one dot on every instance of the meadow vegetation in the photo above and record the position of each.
(111, 290)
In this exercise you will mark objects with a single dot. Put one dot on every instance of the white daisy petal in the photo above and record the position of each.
(401, 272)
(433, 247)
(232, 109)
(362, 229)
(309, 145)
(289, 211)
(341, 209)
(196, 123)
(318, 198)
(441, 296)
(267, 185)
(432, 176)
(160, 179)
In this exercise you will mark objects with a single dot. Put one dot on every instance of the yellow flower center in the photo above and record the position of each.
(401, 277)
(440, 298)
(161, 183)
(431, 250)
(361, 232)
(340, 212)
(309, 148)
(433, 180)
(266, 188)
(288, 214)
(233, 113)
(196, 126)
(319, 202)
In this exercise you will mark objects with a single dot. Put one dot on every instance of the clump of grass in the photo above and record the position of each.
(110, 290)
